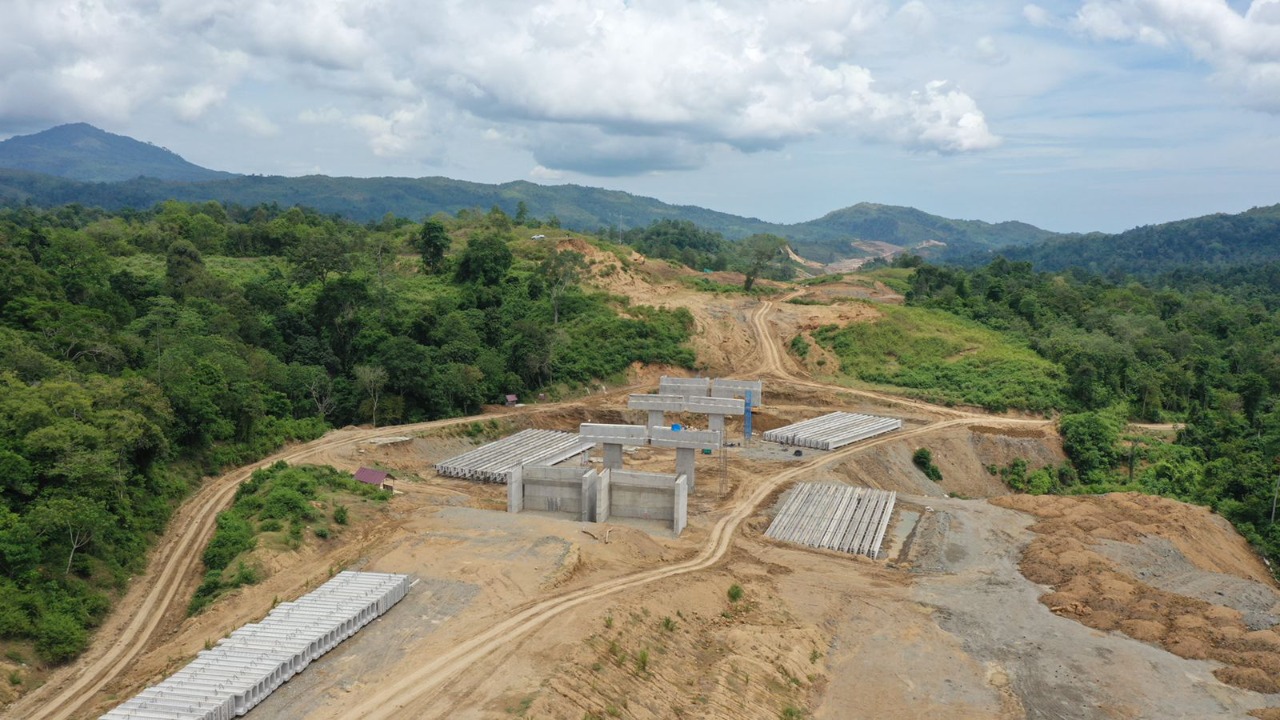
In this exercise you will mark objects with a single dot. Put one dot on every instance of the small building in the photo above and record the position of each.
(377, 478)
(538, 237)
(512, 400)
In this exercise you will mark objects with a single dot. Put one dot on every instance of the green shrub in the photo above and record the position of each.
(60, 637)
(340, 514)
(321, 532)
(923, 459)
(800, 346)
(735, 592)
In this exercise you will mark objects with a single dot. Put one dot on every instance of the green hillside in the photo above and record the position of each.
(1212, 242)
(83, 152)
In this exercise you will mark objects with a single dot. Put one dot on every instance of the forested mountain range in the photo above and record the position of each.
(110, 171)
(83, 152)
(1212, 243)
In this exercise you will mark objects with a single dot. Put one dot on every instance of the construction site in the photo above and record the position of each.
(750, 540)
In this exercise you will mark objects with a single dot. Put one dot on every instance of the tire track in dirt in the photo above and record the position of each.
(193, 524)
(416, 692)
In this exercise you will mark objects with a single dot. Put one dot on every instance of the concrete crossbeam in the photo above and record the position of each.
(664, 403)
(615, 434)
(693, 439)
(686, 387)
(726, 388)
(715, 406)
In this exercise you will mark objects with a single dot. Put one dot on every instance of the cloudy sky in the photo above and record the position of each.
(1094, 115)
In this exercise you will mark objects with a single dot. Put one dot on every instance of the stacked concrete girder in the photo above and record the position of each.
(723, 388)
(495, 461)
(686, 443)
(834, 517)
(243, 669)
(569, 490)
(834, 430)
(657, 406)
(614, 437)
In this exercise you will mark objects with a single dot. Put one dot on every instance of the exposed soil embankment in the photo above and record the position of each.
(1193, 555)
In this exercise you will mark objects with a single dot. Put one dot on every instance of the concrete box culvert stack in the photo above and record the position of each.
(494, 461)
(834, 517)
(228, 680)
(833, 430)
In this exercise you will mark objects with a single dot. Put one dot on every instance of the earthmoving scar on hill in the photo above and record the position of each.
(537, 631)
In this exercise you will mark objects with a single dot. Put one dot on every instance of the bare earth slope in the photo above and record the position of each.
(1114, 606)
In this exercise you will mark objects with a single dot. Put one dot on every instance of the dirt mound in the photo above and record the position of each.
(1103, 594)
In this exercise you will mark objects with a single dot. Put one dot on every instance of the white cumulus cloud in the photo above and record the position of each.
(601, 86)
(1244, 48)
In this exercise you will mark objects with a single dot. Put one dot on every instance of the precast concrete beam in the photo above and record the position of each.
(665, 403)
(725, 388)
(687, 387)
(715, 406)
(615, 434)
(693, 439)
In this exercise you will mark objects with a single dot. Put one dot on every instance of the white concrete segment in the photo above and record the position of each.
(614, 434)
(834, 517)
(715, 406)
(495, 461)
(833, 430)
(228, 680)
(725, 388)
(686, 387)
(695, 439)
(665, 403)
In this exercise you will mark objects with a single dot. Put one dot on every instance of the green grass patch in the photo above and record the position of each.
(944, 359)
(272, 498)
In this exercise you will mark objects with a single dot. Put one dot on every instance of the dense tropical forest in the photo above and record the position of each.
(140, 350)
(1199, 349)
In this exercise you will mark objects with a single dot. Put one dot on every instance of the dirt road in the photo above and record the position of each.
(157, 595)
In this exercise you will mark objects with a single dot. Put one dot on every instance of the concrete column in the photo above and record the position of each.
(685, 458)
(602, 496)
(590, 487)
(515, 491)
(613, 456)
(715, 422)
(680, 516)
(657, 418)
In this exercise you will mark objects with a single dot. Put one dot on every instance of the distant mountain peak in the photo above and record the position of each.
(80, 151)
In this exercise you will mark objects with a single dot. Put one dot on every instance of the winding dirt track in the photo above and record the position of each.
(137, 620)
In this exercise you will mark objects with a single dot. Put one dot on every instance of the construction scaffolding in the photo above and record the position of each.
(243, 669)
(495, 461)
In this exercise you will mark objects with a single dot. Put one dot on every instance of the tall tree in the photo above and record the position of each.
(761, 251)
(432, 242)
(485, 260)
(371, 379)
(560, 271)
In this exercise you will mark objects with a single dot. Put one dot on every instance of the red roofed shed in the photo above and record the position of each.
(369, 476)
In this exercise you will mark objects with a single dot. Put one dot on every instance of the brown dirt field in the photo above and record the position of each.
(508, 616)
(1092, 589)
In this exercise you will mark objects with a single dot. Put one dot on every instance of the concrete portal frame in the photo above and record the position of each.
(613, 437)
(657, 406)
(715, 409)
(686, 443)
(723, 388)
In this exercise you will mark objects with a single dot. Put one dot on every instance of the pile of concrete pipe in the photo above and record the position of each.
(243, 669)
(835, 517)
(832, 431)
(495, 461)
